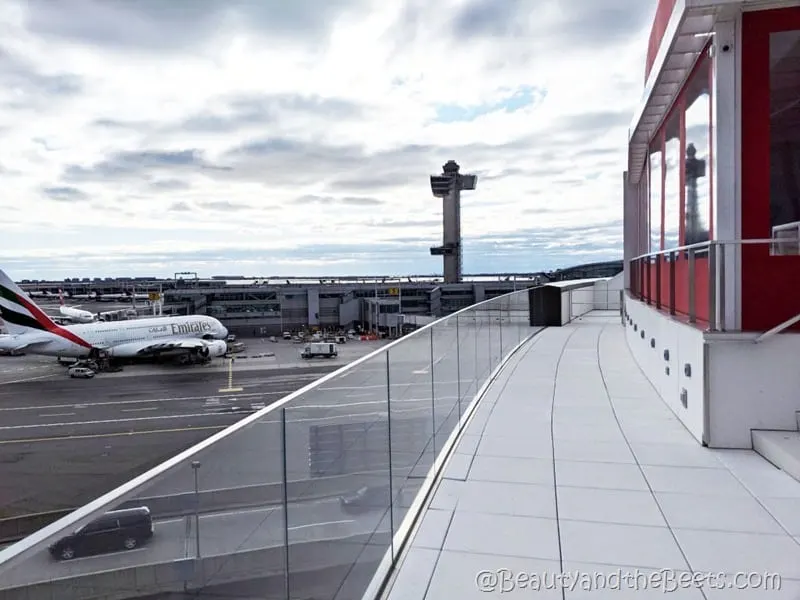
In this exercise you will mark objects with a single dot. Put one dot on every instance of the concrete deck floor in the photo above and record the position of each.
(573, 472)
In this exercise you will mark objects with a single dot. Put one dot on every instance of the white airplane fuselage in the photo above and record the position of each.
(124, 339)
(76, 314)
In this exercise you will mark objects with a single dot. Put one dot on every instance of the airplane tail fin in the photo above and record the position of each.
(61, 297)
(20, 313)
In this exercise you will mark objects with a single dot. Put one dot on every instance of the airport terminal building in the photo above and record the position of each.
(256, 307)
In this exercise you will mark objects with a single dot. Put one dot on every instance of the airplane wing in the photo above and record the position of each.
(154, 348)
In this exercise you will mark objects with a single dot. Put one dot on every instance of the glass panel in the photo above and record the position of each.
(483, 339)
(411, 409)
(784, 85)
(698, 144)
(338, 483)
(446, 379)
(496, 334)
(655, 195)
(509, 329)
(467, 355)
(228, 497)
(672, 182)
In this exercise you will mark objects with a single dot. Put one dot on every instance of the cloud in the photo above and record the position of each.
(347, 201)
(123, 165)
(64, 193)
(249, 140)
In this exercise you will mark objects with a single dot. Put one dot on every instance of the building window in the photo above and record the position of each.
(655, 195)
(697, 182)
(672, 181)
(784, 111)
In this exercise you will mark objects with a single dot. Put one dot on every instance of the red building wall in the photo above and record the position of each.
(660, 22)
(769, 283)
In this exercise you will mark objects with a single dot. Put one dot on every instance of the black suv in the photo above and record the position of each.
(116, 530)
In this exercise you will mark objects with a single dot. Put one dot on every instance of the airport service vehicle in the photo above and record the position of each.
(116, 530)
(196, 336)
(287, 335)
(80, 372)
(319, 349)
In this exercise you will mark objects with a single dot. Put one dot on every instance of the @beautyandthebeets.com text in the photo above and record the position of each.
(506, 581)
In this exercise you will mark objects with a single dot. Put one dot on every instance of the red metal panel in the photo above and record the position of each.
(769, 283)
(660, 22)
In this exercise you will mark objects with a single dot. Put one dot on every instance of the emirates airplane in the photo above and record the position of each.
(33, 332)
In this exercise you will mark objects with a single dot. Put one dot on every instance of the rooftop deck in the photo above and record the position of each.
(572, 464)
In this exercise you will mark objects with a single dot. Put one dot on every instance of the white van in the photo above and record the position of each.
(82, 372)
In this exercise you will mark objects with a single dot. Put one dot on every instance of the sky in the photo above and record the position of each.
(267, 137)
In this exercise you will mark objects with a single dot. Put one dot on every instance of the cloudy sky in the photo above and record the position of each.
(261, 137)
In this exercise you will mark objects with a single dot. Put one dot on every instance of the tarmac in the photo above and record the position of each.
(64, 442)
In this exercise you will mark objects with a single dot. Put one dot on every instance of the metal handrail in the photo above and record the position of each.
(717, 262)
(777, 329)
(700, 245)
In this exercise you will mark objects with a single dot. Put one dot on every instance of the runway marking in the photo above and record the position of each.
(126, 402)
(139, 409)
(91, 436)
(427, 369)
(319, 524)
(29, 379)
(69, 414)
(107, 421)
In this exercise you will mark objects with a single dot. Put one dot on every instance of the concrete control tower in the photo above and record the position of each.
(448, 186)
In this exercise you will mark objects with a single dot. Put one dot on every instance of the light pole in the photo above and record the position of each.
(196, 468)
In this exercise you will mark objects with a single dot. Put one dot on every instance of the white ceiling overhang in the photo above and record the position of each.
(689, 29)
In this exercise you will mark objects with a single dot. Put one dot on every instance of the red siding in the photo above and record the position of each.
(769, 283)
(660, 22)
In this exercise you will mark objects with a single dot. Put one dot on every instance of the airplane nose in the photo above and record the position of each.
(224, 331)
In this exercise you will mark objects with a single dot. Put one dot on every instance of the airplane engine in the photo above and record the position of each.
(215, 349)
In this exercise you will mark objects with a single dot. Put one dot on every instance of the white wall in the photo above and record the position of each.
(607, 292)
(685, 346)
(582, 300)
(752, 386)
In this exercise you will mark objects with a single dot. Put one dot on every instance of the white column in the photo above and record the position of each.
(726, 160)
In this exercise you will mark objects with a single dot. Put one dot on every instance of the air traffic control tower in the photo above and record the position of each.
(448, 186)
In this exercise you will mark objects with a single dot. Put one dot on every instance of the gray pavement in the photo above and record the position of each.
(428, 380)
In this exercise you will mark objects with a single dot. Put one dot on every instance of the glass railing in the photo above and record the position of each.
(312, 496)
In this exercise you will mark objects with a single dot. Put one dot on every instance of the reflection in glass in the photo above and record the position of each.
(672, 182)
(655, 195)
(698, 184)
(784, 50)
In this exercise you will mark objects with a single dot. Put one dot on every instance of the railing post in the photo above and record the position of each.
(641, 279)
(649, 278)
(672, 257)
(712, 285)
(690, 277)
(658, 280)
(721, 287)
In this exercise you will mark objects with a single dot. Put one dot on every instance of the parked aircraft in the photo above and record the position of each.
(73, 313)
(33, 332)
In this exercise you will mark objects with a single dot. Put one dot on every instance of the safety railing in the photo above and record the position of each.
(312, 496)
(692, 282)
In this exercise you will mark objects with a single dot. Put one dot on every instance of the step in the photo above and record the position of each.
(781, 448)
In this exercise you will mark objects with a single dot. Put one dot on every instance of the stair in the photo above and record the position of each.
(781, 448)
